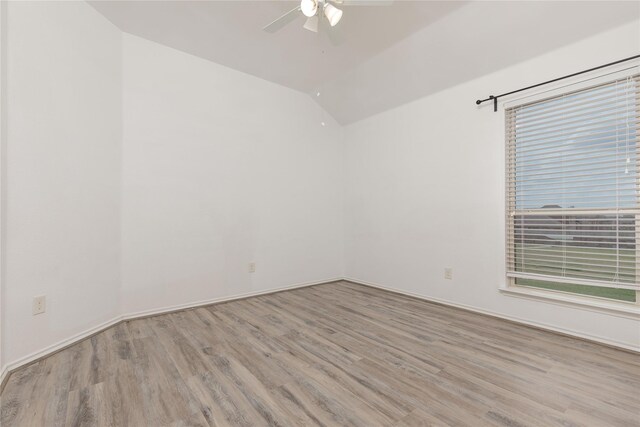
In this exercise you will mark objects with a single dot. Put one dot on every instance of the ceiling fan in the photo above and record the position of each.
(318, 10)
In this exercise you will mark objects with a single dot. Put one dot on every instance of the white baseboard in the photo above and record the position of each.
(10, 367)
(165, 310)
(60, 345)
(3, 374)
(540, 325)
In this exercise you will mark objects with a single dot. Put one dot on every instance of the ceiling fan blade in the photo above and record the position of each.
(282, 21)
(312, 24)
(363, 2)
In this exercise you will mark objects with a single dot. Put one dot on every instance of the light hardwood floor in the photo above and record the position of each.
(337, 354)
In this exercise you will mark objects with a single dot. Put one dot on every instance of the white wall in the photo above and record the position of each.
(62, 173)
(218, 169)
(425, 191)
(3, 119)
(222, 169)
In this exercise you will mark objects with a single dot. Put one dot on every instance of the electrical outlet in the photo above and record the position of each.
(39, 304)
(448, 273)
(252, 267)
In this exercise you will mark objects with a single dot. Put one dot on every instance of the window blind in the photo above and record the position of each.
(573, 187)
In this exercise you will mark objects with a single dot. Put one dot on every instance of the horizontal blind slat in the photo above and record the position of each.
(574, 108)
(522, 193)
(559, 149)
(552, 278)
(627, 152)
(605, 170)
(573, 252)
(582, 166)
(606, 135)
(594, 111)
(575, 129)
(538, 180)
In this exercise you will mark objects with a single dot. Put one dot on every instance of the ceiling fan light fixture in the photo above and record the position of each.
(312, 24)
(309, 7)
(332, 13)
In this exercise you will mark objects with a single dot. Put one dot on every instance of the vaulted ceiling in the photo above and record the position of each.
(389, 55)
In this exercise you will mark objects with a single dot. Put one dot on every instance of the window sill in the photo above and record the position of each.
(619, 309)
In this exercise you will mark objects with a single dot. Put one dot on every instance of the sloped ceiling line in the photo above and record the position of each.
(391, 55)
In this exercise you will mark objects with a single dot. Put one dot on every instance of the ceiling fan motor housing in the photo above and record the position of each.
(309, 7)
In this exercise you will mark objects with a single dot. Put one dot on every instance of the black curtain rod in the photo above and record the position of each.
(495, 98)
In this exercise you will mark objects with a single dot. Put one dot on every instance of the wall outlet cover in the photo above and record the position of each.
(448, 273)
(39, 304)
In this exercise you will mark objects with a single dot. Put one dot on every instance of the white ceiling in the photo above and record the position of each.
(390, 55)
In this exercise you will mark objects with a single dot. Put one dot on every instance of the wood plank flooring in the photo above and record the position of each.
(338, 354)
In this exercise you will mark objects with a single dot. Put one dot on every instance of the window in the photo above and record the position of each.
(573, 192)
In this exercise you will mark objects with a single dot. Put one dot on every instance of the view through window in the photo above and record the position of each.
(573, 182)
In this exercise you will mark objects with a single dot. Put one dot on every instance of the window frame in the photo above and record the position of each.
(622, 308)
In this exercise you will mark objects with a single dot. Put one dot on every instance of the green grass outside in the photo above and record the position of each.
(596, 291)
(543, 259)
